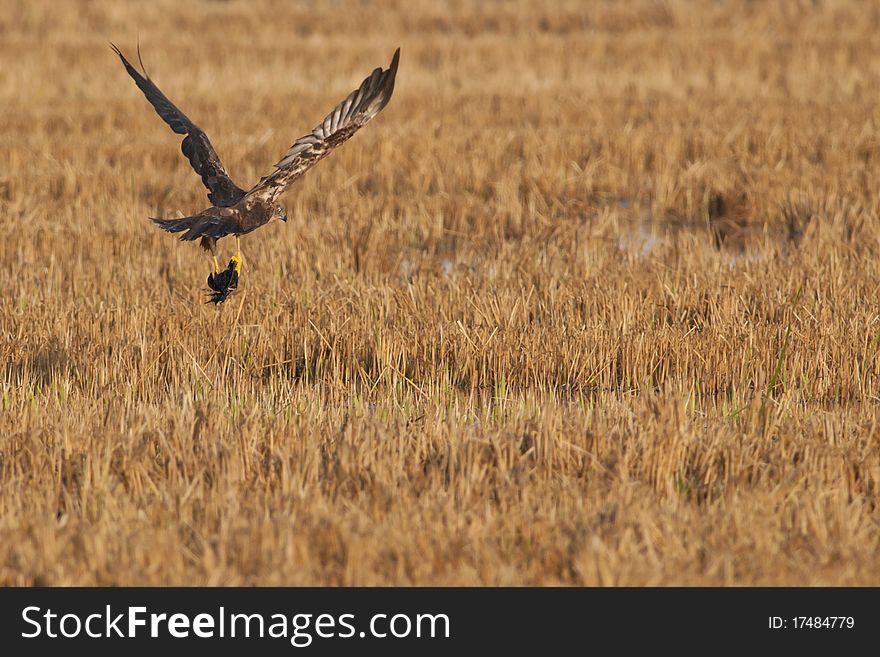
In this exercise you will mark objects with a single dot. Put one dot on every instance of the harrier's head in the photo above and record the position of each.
(280, 213)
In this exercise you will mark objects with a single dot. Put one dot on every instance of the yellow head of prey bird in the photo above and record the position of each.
(234, 210)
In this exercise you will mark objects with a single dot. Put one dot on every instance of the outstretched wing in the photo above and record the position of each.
(196, 146)
(362, 104)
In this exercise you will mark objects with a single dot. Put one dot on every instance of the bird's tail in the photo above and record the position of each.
(189, 224)
(176, 225)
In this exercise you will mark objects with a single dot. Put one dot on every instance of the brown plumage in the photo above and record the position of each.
(235, 211)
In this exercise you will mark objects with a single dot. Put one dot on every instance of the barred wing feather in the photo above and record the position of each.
(348, 117)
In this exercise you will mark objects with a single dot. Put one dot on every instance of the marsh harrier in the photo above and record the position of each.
(234, 210)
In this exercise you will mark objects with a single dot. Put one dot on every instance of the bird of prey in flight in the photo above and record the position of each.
(235, 211)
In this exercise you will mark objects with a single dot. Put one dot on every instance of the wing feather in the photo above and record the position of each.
(196, 146)
(358, 108)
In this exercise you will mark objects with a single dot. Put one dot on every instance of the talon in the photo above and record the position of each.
(236, 262)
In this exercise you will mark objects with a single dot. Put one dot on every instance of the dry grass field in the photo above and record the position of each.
(593, 301)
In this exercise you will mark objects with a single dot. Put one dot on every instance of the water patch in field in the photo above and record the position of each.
(642, 239)
(647, 235)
